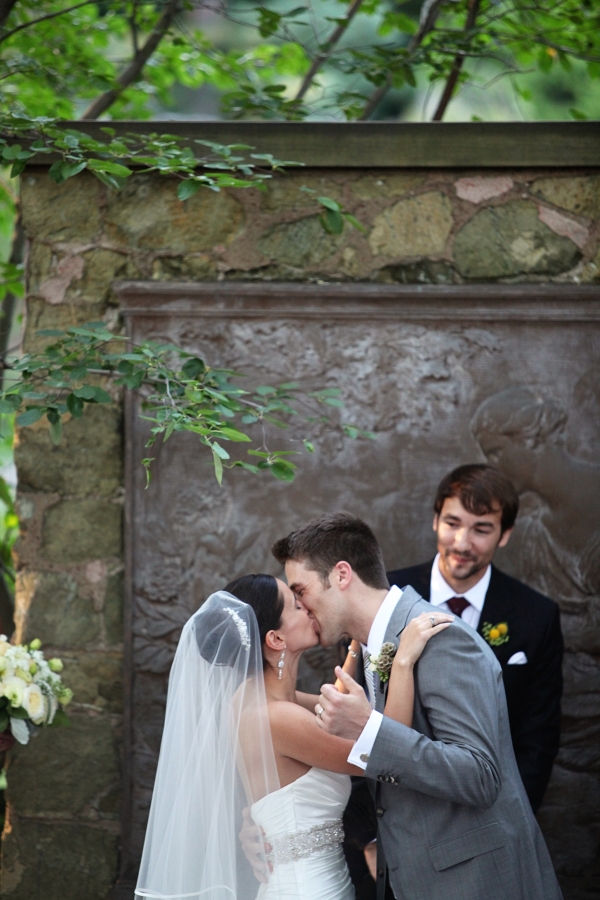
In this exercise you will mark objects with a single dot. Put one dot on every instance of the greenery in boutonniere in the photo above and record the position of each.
(495, 635)
(382, 663)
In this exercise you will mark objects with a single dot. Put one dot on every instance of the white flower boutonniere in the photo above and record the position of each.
(382, 663)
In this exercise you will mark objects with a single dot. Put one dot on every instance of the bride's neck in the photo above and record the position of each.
(283, 688)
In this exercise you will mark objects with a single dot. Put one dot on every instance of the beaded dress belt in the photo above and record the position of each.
(300, 844)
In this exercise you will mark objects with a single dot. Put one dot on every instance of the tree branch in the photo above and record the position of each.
(429, 14)
(61, 12)
(457, 66)
(6, 7)
(131, 72)
(327, 48)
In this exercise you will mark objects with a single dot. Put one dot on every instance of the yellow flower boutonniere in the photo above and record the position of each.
(495, 634)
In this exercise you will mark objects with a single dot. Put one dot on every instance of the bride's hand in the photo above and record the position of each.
(417, 633)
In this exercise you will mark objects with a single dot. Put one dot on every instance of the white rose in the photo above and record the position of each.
(14, 689)
(4, 645)
(35, 704)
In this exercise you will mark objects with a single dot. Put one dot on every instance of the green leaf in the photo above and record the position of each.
(218, 467)
(101, 396)
(332, 222)
(309, 446)
(193, 367)
(75, 406)
(220, 451)
(352, 220)
(4, 720)
(56, 431)
(31, 415)
(328, 203)
(283, 470)
(187, 189)
(232, 434)
(577, 114)
(61, 719)
(109, 168)
(18, 712)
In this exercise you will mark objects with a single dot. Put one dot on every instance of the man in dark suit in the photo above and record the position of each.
(475, 510)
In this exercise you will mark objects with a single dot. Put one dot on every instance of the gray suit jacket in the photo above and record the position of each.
(454, 820)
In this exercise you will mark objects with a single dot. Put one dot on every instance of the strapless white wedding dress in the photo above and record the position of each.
(303, 823)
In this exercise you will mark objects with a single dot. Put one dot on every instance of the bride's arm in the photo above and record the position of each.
(296, 735)
(307, 701)
(401, 692)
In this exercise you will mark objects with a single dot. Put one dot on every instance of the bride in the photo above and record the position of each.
(239, 739)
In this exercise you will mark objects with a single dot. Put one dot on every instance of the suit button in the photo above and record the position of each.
(392, 780)
(379, 811)
(380, 873)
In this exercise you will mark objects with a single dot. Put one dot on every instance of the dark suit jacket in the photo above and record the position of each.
(533, 690)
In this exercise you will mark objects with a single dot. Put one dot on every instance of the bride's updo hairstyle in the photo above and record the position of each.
(262, 594)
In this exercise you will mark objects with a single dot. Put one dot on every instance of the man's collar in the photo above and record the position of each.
(381, 620)
(441, 590)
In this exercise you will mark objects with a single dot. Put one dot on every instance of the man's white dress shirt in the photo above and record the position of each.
(441, 592)
(363, 745)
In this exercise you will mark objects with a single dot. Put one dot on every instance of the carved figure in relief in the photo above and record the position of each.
(523, 433)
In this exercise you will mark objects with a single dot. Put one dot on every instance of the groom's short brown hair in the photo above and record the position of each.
(333, 538)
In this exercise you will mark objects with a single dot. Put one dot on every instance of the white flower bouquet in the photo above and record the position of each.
(31, 691)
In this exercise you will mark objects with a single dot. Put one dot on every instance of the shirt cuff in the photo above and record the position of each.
(359, 755)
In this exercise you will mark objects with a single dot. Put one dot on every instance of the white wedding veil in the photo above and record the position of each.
(216, 758)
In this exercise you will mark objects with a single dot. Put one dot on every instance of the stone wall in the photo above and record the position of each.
(61, 839)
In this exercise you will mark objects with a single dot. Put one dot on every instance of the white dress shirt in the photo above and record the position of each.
(359, 755)
(441, 592)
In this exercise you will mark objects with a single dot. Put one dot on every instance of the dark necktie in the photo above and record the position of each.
(458, 605)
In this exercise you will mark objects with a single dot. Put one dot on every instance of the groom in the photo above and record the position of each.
(454, 820)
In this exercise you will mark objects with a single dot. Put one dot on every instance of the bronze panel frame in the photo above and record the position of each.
(140, 301)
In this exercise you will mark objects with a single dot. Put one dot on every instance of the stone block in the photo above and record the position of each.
(88, 459)
(39, 265)
(76, 530)
(42, 315)
(66, 770)
(96, 678)
(113, 608)
(509, 240)
(284, 191)
(50, 608)
(301, 243)
(417, 226)
(580, 194)
(386, 185)
(101, 268)
(61, 212)
(147, 214)
(176, 268)
(58, 861)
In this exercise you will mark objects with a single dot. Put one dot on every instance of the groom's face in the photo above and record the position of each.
(325, 604)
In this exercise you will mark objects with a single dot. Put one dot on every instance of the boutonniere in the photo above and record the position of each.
(382, 663)
(495, 634)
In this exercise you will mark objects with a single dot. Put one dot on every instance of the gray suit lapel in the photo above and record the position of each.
(397, 623)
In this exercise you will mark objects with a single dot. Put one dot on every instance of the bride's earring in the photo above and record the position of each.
(280, 664)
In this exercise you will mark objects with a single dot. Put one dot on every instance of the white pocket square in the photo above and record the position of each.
(517, 659)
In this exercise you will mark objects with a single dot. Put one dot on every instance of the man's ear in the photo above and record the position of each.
(342, 575)
(436, 520)
(505, 537)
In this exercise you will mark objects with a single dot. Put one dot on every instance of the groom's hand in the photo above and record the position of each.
(344, 715)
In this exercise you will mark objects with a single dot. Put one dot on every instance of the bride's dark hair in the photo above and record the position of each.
(262, 594)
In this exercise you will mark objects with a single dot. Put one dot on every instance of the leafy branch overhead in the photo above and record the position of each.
(179, 392)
